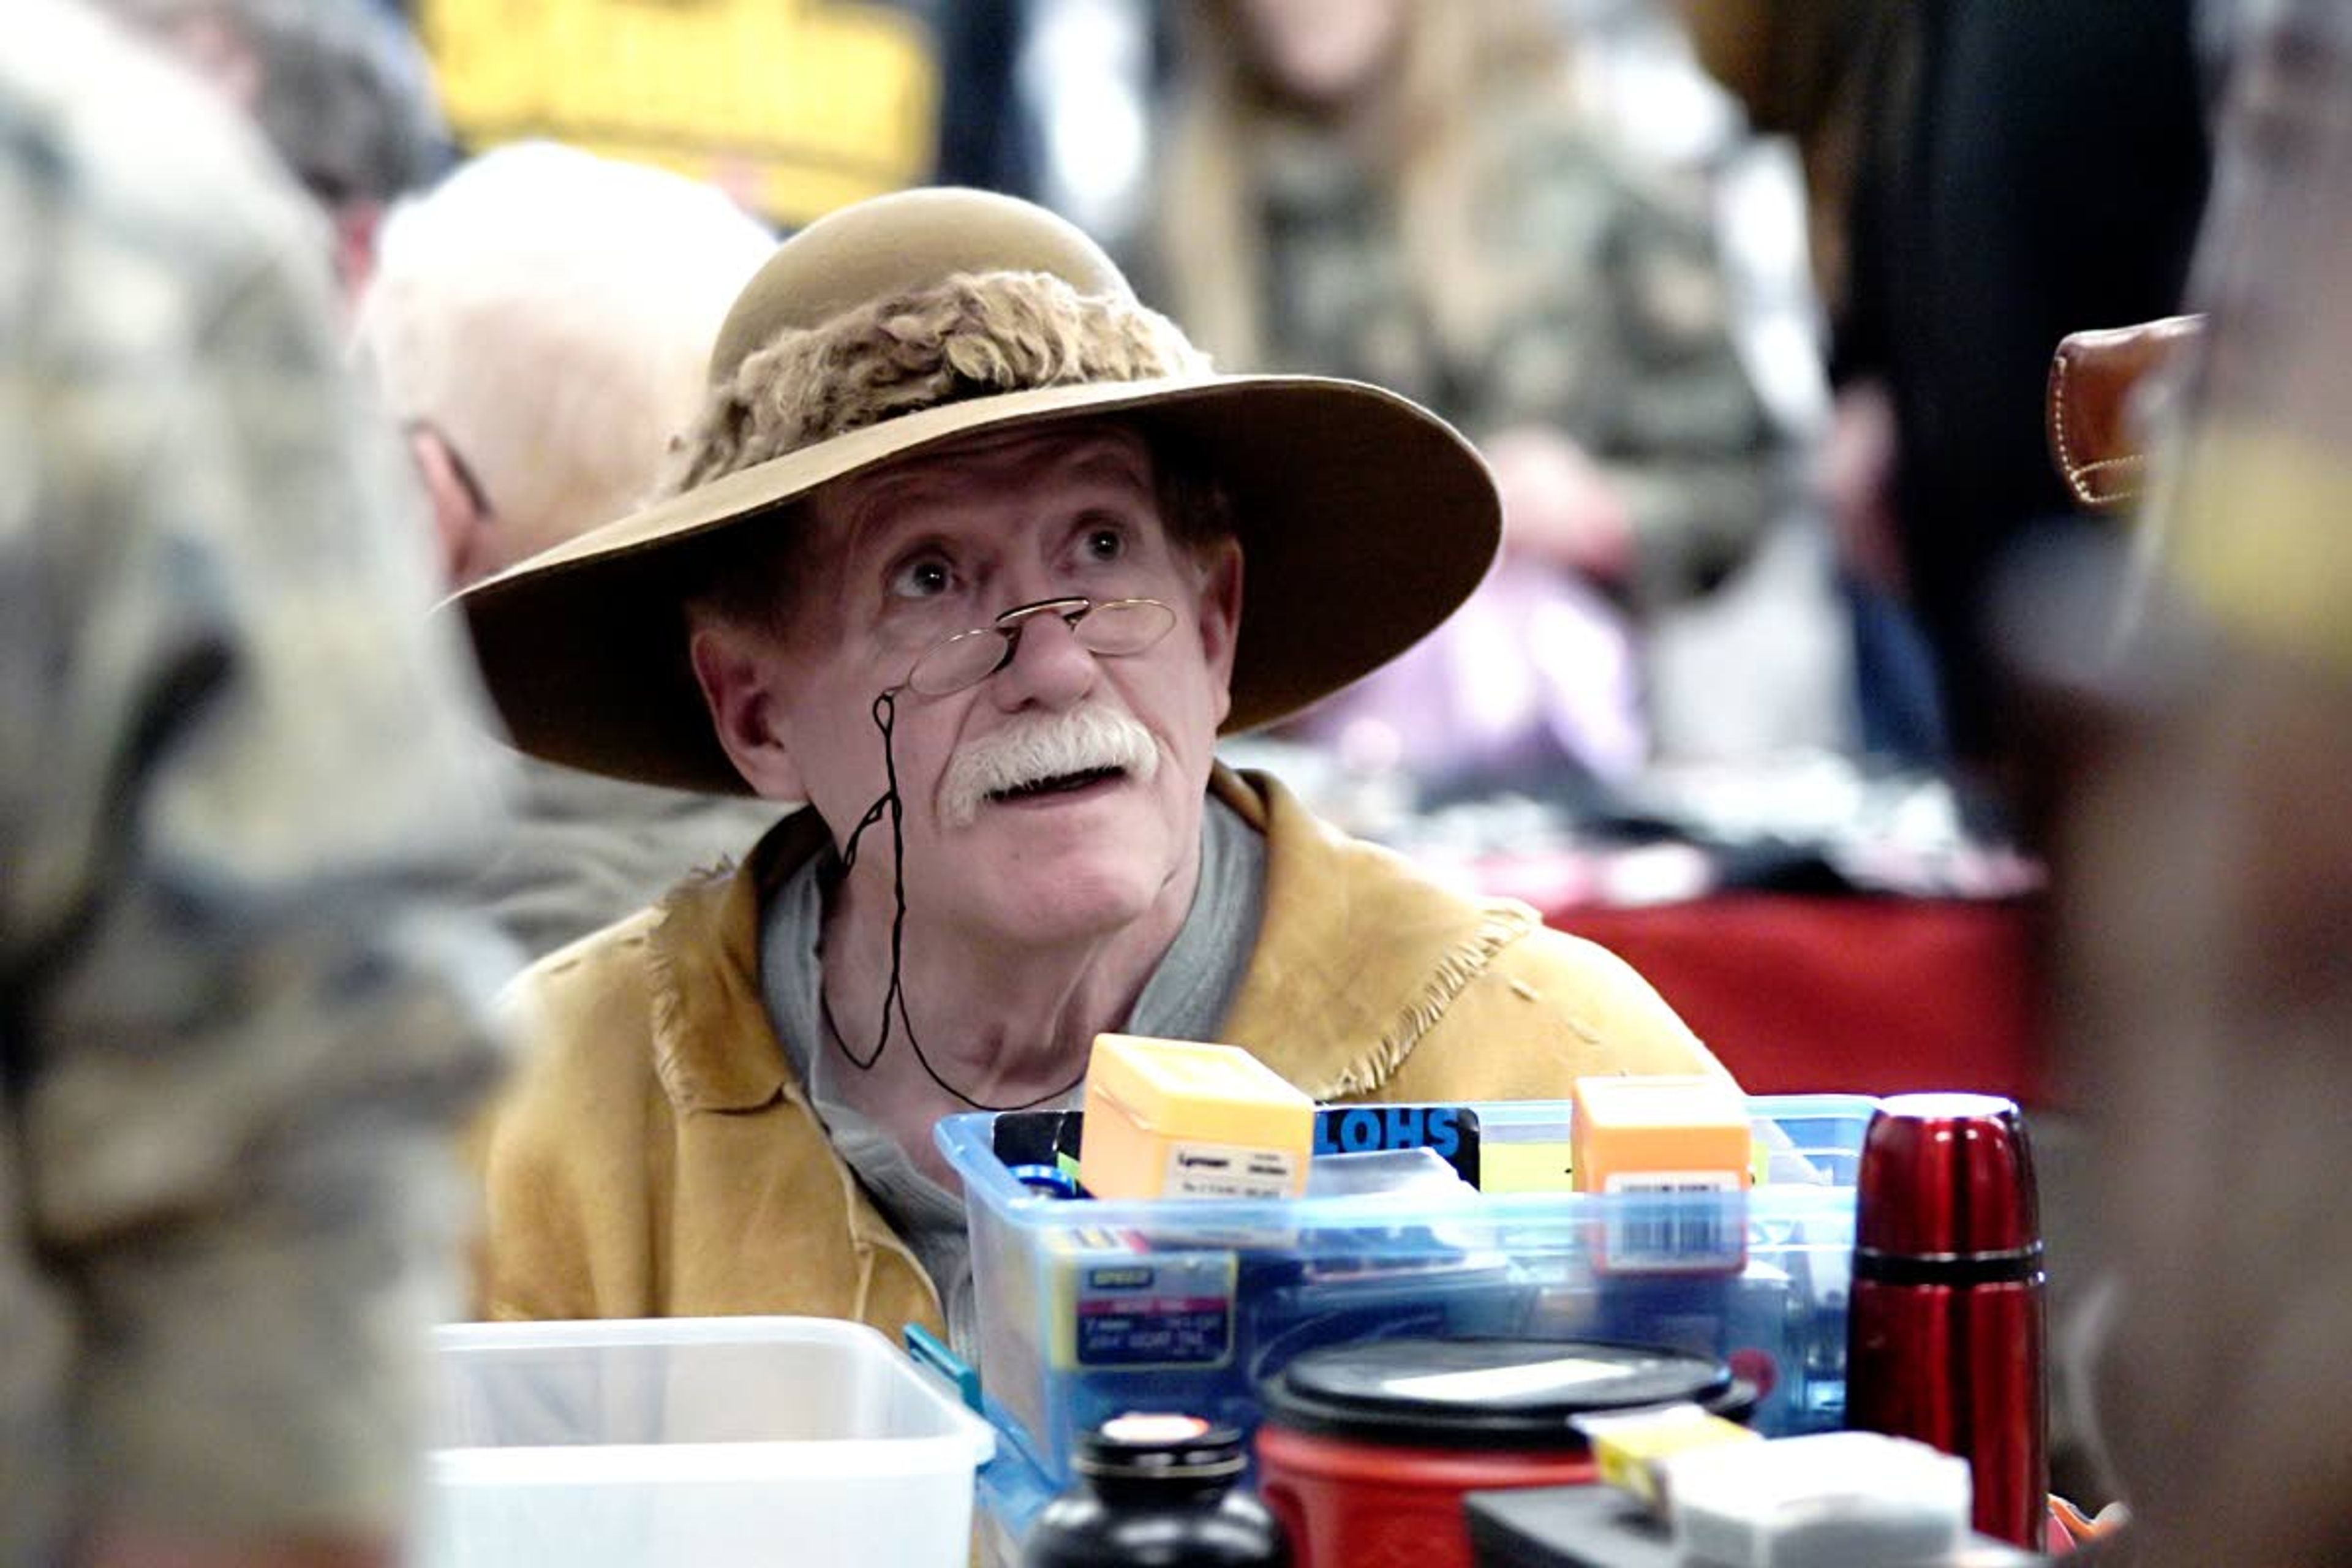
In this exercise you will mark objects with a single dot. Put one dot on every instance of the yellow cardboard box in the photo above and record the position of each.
(1168, 1118)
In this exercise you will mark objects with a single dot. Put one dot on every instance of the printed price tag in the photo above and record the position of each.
(1228, 1171)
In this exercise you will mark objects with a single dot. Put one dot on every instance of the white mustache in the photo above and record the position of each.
(1043, 746)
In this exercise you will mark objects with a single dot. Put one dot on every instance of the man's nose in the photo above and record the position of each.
(1049, 667)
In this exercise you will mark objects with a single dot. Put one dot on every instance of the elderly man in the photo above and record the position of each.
(537, 325)
(958, 555)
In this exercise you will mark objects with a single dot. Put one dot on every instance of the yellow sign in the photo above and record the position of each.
(795, 106)
(1525, 1167)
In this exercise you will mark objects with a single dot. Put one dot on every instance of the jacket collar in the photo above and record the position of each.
(713, 1046)
(1355, 959)
(1359, 955)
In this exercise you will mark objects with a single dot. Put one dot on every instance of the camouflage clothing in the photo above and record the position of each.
(233, 1029)
(1611, 324)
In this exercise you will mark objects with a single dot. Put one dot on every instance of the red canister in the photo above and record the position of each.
(1366, 1450)
(1945, 1329)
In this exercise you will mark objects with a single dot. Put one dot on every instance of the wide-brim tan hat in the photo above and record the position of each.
(1364, 519)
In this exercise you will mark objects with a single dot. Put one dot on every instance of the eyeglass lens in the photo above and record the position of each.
(1115, 628)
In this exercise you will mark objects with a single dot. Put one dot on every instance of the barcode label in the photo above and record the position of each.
(1672, 1222)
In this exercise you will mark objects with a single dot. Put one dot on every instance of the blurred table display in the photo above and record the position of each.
(1823, 928)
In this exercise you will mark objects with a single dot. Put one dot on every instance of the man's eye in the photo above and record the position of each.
(922, 579)
(1105, 544)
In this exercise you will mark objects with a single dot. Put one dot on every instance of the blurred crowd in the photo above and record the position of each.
(1747, 304)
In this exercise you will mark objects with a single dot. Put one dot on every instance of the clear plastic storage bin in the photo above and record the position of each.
(1090, 1308)
(694, 1443)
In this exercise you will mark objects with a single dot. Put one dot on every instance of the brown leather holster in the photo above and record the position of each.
(2097, 436)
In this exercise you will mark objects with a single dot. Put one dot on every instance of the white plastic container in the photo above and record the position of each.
(694, 1443)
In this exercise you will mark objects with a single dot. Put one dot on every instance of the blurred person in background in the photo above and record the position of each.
(2020, 173)
(340, 88)
(1411, 194)
(1987, 178)
(1794, 68)
(540, 326)
(240, 1018)
(1800, 68)
(2208, 898)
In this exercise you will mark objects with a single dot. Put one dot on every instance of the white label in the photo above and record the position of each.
(1228, 1171)
(1655, 1238)
(1656, 1183)
(1509, 1382)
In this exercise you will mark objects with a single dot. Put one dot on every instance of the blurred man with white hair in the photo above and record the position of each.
(540, 326)
(541, 323)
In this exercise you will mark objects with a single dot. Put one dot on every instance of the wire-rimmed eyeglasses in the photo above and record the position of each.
(1111, 627)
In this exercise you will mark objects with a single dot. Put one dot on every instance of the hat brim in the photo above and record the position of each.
(1364, 522)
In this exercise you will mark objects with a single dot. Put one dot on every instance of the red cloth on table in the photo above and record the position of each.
(1798, 993)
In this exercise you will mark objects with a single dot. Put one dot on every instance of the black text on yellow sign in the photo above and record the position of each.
(796, 106)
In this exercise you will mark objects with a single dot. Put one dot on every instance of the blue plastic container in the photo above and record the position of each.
(1089, 1308)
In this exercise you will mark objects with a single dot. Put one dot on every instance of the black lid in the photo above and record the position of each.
(1487, 1393)
(1147, 1446)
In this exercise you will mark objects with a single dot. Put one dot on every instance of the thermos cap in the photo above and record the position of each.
(1945, 1176)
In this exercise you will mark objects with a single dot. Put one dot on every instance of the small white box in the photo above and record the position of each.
(1834, 1500)
(694, 1443)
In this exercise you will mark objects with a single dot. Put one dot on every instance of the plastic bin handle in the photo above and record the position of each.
(930, 1355)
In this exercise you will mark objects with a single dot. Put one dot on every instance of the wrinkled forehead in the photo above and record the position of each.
(864, 505)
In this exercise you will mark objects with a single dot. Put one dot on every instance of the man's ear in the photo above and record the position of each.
(734, 676)
(1220, 616)
(461, 520)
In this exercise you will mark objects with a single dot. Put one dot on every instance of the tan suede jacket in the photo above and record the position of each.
(657, 1157)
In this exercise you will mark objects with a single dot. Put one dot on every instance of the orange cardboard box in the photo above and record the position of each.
(1661, 1152)
(1657, 1134)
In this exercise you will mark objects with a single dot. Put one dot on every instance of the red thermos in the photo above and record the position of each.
(1946, 1335)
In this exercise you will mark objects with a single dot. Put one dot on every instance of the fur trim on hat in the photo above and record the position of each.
(970, 336)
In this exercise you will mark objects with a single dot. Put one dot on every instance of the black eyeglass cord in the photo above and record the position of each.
(894, 998)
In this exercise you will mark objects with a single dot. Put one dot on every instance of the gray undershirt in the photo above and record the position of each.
(1186, 998)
